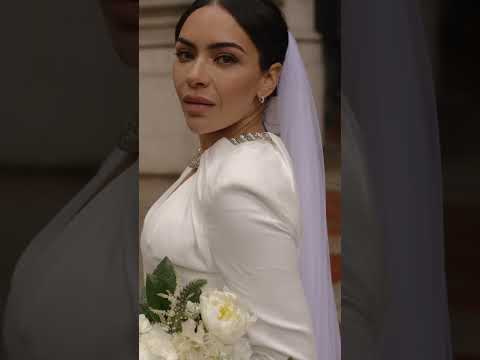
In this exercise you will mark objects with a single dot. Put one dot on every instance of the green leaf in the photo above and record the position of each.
(194, 290)
(162, 281)
(188, 293)
(166, 271)
(149, 314)
(152, 289)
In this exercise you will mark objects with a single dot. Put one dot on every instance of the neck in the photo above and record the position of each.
(251, 123)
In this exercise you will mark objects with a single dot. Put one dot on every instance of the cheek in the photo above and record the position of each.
(178, 78)
(237, 88)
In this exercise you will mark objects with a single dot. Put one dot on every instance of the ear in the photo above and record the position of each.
(270, 80)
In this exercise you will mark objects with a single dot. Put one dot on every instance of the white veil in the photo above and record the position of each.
(293, 116)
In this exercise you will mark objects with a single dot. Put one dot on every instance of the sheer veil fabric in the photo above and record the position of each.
(293, 116)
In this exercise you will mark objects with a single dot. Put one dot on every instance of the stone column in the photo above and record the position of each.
(166, 144)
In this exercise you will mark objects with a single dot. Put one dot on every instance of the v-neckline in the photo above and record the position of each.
(184, 177)
(187, 173)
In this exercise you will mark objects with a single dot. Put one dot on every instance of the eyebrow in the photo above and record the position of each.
(214, 46)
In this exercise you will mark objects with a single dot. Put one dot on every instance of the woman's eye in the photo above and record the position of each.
(226, 59)
(183, 55)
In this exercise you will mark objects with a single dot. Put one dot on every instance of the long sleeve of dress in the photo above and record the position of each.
(252, 226)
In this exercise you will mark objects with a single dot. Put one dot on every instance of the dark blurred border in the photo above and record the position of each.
(455, 32)
(69, 88)
(410, 188)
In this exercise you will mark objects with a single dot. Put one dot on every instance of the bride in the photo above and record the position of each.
(249, 211)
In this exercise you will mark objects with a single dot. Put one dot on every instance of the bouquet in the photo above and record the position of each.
(187, 323)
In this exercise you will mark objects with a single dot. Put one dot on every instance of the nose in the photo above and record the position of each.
(198, 75)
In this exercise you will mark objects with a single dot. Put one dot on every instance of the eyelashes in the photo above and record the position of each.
(222, 59)
(226, 59)
(183, 56)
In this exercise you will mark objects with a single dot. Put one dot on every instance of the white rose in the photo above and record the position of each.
(144, 325)
(224, 316)
(157, 345)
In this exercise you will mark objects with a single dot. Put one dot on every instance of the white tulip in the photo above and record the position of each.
(224, 316)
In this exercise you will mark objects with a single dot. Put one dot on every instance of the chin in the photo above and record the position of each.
(196, 124)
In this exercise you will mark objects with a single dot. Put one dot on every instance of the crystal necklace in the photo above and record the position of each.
(195, 162)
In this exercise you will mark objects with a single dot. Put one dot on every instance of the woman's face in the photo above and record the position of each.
(217, 73)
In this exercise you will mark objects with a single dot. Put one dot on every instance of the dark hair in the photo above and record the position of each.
(263, 22)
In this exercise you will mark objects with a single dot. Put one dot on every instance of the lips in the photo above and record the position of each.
(196, 105)
(197, 100)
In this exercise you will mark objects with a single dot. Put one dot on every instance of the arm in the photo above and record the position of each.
(252, 230)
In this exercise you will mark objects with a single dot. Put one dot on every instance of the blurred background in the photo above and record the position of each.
(66, 99)
(453, 32)
(167, 145)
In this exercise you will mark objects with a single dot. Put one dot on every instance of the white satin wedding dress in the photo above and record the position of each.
(235, 222)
